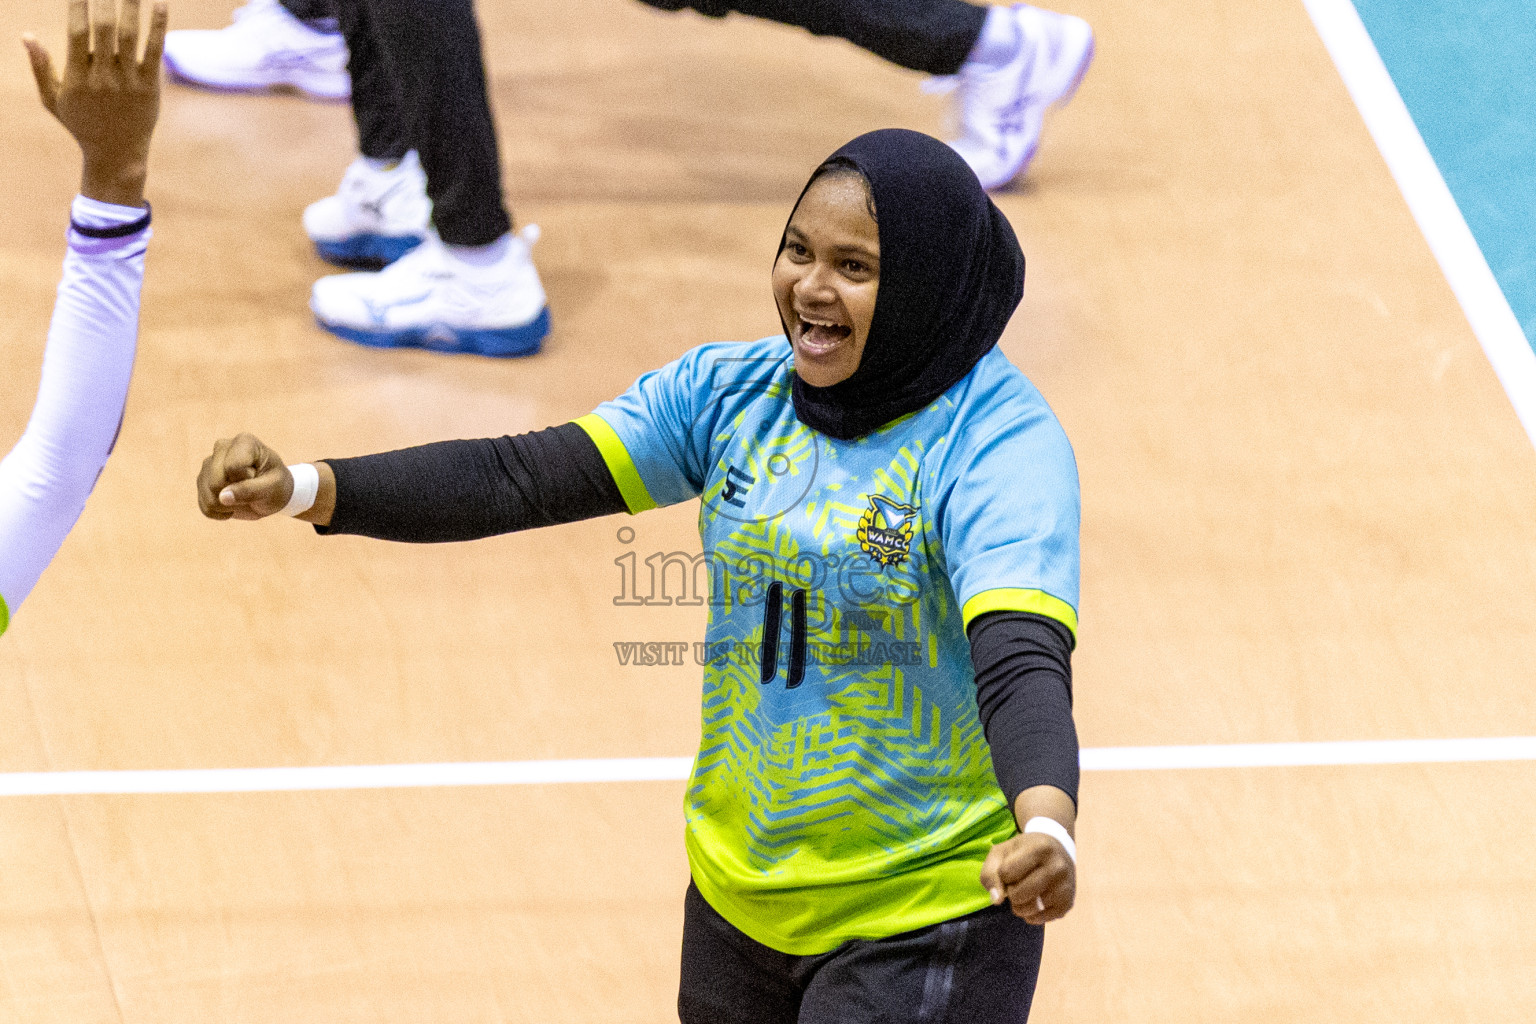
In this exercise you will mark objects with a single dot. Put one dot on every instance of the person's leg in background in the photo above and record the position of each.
(934, 36)
(312, 10)
(471, 285)
(434, 50)
(381, 211)
(272, 44)
(1010, 64)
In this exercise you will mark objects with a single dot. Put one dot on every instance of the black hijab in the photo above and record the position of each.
(951, 274)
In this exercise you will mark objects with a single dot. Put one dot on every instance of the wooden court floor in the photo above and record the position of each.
(1307, 511)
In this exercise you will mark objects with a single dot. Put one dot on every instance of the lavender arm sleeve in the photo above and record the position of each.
(87, 366)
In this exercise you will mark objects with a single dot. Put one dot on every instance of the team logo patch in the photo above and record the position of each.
(885, 530)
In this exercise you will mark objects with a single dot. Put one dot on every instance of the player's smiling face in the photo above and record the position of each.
(826, 278)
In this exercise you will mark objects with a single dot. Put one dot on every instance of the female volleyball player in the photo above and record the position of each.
(890, 512)
(108, 99)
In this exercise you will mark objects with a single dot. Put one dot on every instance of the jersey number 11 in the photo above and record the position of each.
(773, 611)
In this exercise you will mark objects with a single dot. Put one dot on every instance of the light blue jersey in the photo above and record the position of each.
(844, 788)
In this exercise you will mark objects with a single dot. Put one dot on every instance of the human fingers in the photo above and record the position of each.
(1062, 898)
(208, 491)
(990, 879)
(259, 496)
(103, 34)
(234, 460)
(154, 42)
(42, 71)
(1028, 896)
(244, 458)
(128, 33)
(79, 49)
(1040, 899)
(1040, 877)
(256, 483)
(210, 480)
(1006, 863)
(1021, 855)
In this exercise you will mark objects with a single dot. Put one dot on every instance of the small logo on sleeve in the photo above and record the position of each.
(885, 530)
(736, 484)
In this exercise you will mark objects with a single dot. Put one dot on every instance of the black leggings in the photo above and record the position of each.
(976, 969)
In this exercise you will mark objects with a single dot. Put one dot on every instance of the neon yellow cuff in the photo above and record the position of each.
(1005, 600)
(631, 487)
(5, 615)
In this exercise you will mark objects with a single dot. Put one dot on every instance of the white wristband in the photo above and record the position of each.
(1053, 828)
(306, 487)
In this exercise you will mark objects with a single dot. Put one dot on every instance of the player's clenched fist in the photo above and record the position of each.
(243, 479)
(1033, 873)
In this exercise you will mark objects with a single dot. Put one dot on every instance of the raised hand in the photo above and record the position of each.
(109, 96)
(243, 479)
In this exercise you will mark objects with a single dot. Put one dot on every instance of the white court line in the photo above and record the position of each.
(672, 769)
(360, 776)
(1430, 201)
(1297, 755)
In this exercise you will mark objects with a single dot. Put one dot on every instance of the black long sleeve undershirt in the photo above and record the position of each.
(465, 490)
(1023, 666)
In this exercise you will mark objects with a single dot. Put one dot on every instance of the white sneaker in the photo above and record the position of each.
(265, 48)
(374, 218)
(431, 299)
(1002, 108)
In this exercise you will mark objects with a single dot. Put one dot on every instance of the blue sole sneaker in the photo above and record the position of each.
(367, 252)
(504, 342)
(433, 299)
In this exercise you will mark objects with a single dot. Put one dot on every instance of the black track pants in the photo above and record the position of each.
(977, 969)
(925, 35)
(418, 82)
(311, 10)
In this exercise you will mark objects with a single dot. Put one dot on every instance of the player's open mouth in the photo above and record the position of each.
(817, 337)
